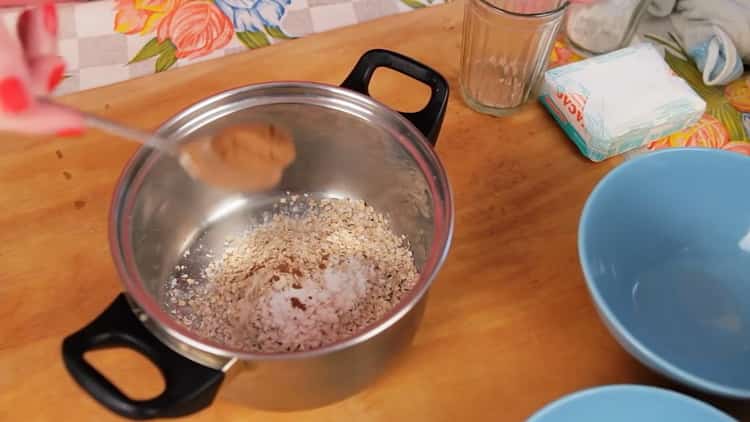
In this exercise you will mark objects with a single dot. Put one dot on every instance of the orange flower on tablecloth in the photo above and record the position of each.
(738, 146)
(738, 94)
(196, 28)
(140, 16)
(708, 132)
(562, 54)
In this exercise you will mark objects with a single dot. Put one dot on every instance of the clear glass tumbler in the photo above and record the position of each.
(505, 51)
(603, 25)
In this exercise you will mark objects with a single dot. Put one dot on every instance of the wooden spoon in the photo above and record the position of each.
(247, 157)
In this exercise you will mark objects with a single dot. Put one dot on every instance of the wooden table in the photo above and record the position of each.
(509, 325)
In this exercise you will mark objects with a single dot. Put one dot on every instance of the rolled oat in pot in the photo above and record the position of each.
(300, 280)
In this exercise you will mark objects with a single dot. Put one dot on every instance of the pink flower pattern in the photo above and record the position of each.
(195, 28)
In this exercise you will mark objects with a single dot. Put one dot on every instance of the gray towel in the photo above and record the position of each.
(716, 34)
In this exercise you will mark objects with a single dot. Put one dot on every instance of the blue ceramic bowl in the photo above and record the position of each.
(628, 403)
(664, 242)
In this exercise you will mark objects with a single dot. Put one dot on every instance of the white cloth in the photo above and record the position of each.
(661, 8)
(715, 33)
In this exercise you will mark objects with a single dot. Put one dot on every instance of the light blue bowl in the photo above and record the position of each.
(628, 403)
(664, 242)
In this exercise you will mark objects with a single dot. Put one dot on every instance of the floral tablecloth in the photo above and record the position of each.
(726, 122)
(107, 41)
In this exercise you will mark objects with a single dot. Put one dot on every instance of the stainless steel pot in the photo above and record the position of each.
(348, 145)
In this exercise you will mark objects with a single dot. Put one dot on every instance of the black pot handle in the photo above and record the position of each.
(427, 120)
(189, 387)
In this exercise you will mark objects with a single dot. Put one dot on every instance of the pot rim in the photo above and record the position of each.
(119, 240)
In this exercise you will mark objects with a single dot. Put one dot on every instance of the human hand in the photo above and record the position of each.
(30, 68)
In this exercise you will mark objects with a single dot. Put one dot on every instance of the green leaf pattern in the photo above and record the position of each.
(255, 39)
(415, 4)
(151, 49)
(164, 51)
(277, 33)
(167, 58)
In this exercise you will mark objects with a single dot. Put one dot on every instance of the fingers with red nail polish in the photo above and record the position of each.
(36, 38)
(37, 31)
(44, 119)
(14, 91)
(46, 73)
(31, 67)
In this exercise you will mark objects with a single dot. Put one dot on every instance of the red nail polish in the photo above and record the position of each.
(49, 14)
(73, 131)
(13, 95)
(55, 77)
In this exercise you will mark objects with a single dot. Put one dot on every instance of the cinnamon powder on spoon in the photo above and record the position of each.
(248, 157)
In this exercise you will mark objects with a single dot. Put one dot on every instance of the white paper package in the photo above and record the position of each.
(616, 102)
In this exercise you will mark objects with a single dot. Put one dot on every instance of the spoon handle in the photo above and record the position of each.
(144, 137)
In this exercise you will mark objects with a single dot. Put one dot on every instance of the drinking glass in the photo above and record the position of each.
(505, 50)
(604, 25)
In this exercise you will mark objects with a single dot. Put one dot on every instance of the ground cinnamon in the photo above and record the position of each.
(248, 157)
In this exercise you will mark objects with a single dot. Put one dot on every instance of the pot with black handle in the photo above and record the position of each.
(348, 145)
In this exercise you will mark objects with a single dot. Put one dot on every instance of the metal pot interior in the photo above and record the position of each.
(347, 146)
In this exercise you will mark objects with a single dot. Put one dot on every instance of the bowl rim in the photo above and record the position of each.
(633, 345)
(619, 389)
